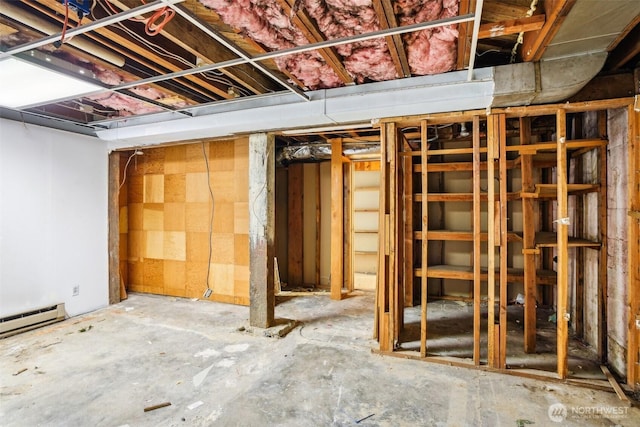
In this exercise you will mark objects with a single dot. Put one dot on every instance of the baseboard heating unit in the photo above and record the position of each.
(17, 323)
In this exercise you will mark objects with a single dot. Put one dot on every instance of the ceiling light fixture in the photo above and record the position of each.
(23, 84)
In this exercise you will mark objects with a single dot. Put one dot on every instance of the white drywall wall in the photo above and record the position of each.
(53, 219)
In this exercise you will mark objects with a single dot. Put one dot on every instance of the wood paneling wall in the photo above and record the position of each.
(167, 219)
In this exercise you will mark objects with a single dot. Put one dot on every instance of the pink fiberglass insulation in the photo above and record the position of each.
(266, 23)
(124, 105)
(428, 52)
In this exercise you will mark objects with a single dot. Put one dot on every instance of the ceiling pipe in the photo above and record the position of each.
(39, 24)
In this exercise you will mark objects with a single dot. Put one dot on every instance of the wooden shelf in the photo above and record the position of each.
(461, 236)
(514, 275)
(546, 239)
(366, 189)
(458, 197)
(550, 191)
(367, 210)
(365, 252)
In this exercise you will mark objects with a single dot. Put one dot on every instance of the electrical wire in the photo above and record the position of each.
(65, 25)
(124, 177)
(206, 162)
(154, 24)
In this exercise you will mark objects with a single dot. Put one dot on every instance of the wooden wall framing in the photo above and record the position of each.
(505, 149)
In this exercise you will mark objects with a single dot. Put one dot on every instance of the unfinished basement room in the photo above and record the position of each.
(319, 213)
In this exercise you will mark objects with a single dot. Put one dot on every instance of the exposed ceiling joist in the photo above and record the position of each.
(306, 24)
(512, 26)
(387, 19)
(535, 42)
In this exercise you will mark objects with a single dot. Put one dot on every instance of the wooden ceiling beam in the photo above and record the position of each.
(301, 19)
(512, 26)
(190, 38)
(387, 19)
(464, 35)
(535, 42)
(625, 49)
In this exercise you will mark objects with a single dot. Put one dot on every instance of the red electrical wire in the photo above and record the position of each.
(66, 21)
(153, 25)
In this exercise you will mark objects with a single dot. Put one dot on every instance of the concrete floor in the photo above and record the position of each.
(104, 368)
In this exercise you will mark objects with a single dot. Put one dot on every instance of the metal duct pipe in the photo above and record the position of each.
(17, 14)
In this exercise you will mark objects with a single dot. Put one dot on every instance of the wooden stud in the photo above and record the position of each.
(399, 293)
(502, 139)
(562, 312)
(602, 234)
(633, 176)
(408, 229)
(295, 245)
(424, 180)
(493, 344)
(477, 233)
(337, 210)
(115, 277)
(528, 241)
(318, 223)
(261, 229)
(580, 252)
(347, 173)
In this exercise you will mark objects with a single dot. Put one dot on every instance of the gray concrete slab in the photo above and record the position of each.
(150, 350)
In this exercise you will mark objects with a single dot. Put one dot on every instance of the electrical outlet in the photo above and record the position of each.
(76, 290)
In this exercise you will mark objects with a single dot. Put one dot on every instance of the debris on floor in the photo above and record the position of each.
(158, 406)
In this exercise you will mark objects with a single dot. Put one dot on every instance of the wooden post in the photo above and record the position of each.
(318, 222)
(114, 228)
(477, 233)
(562, 314)
(502, 140)
(261, 229)
(580, 252)
(528, 241)
(347, 227)
(395, 204)
(493, 343)
(295, 194)
(337, 208)
(408, 229)
(424, 182)
(602, 233)
(383, 303)
(633, 174)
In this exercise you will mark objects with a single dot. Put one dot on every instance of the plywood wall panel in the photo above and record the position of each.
(153, 217)
(197, 217)
(168, 219)
(174, 217)
(194, 157)
(223, 217)
(153, 189)
(175, 159)
(175, 188)
(197, 187)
